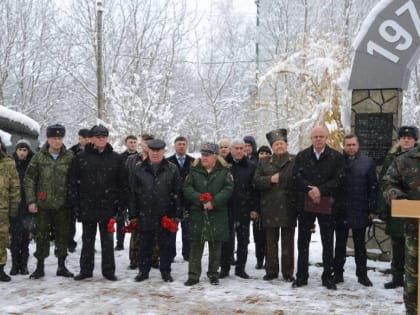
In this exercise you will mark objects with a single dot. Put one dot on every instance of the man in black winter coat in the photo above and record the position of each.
(319, 172)
(356, 206)
(130, 143)
(243, 205)
(154, 193)
(98, 190)
(183, 161)
(21, 225)
(84, 139)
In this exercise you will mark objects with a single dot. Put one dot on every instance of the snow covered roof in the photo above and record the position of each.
(15, 122)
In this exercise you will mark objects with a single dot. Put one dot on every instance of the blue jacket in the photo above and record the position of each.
(357, 197)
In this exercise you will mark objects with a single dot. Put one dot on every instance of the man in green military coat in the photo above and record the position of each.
(402, 181)
(9, 203)
(46, 195)
(407, 137)
(274, 179)
(209, 212)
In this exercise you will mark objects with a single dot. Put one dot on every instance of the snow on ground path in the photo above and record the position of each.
(57, 295)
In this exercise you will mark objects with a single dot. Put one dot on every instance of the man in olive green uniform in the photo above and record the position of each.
(9, 203)
(402, 181)
(209, 216)
(46, 195)
(407, 137)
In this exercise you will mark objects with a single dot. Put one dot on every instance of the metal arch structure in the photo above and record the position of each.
(387, 46)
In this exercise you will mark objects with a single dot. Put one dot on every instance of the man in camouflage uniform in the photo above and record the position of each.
(46, 195)
(9, 203)
(407, 140)
(402, 181)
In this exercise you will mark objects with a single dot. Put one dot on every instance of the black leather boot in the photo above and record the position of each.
(3, 276)
(395, 283)
(39, 271)
(24, 264)
(62, 270)
(15, 269)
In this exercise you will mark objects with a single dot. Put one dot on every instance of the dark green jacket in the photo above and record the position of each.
(209, 225)
(278, 201)
(394, 226)
(46, 179)
(9, 186)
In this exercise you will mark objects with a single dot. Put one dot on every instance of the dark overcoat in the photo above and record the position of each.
(278, 201)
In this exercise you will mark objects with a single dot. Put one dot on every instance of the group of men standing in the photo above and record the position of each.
(214, 198)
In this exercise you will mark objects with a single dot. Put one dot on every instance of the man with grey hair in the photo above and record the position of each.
(319, 173)
(242, 205)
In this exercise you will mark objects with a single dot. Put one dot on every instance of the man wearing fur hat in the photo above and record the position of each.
(9, 203)
(402, 181)
(208, 187)
(46, 195)
(20, 225)
(274, 179)
(407, 140)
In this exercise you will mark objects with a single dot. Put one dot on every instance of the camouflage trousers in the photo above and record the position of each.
(411, 253)
(134, 250)
(4, 236)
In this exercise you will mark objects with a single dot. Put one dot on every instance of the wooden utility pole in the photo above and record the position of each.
(99, 62)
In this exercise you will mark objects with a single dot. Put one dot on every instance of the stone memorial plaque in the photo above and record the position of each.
(374, 131)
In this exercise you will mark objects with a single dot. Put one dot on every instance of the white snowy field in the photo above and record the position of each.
(57, 295)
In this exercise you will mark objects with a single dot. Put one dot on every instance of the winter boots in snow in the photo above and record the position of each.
(395, 283)
(62, 270)
(3, 276)
(39, 271)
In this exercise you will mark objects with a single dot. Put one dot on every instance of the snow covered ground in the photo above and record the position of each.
(57, 295)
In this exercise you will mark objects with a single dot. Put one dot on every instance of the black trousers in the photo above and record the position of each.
(242, 235)
(87, 259)
(72, 232)
(326, 225)
(146, 244)
(341, 235)
(185, 229)
(260, 239)
(19, 242)
(120, 220)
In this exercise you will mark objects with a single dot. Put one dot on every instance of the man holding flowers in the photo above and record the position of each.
(208, 187)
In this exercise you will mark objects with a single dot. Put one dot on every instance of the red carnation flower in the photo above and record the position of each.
(110, 227)
(42, 195)
(131, 227)
(205, 197)
(169, 225)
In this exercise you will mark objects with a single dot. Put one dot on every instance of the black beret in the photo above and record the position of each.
(56, 130)
(156, 144)
(99, 130)
(264, 148)
(85, 133)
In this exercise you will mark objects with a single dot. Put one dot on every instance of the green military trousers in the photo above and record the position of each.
(4, 235)
(196, 253)
(59, 220)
